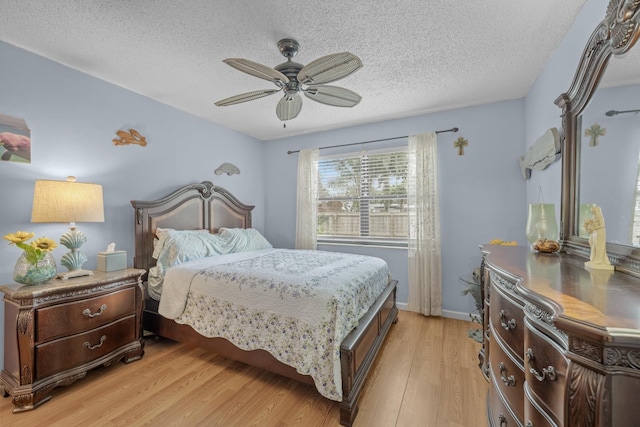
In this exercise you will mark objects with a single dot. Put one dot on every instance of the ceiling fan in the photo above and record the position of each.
(293, 78)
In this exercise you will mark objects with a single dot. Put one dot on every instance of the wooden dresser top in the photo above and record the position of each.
(602, 300)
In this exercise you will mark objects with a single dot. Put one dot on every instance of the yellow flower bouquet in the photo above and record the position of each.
(36, 264)
(503, 243)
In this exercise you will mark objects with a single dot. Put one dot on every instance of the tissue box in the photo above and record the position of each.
(112, 261)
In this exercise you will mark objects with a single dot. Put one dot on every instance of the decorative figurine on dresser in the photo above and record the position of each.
(595, 226)
(56, 331)
(562, 330)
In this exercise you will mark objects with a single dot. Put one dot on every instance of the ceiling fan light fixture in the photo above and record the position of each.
(290, 95)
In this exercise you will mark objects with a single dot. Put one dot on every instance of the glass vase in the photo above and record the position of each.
(541, 222)
(29, 274)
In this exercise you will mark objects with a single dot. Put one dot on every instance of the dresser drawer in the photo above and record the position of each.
(76, 350)
(534, 416)
(507, 376)
(545, 371)
(499, 415)
(507, 318)
(73, 317)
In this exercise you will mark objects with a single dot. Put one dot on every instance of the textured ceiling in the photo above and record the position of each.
(419, 56)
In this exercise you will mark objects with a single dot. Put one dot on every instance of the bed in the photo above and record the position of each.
(206, 207)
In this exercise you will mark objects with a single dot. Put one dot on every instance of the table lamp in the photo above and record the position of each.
(69, 201)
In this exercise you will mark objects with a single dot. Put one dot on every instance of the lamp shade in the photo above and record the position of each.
(67, 201)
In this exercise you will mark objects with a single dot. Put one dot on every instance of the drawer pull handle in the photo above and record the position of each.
(548, 372)
(506, 324)
(93, 347)
(503, 420)
(529, 424)
(88, 313)
(508, 381)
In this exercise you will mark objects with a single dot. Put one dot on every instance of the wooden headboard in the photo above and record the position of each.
(192, 207)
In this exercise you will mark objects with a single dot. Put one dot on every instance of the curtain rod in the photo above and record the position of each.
(375, 140)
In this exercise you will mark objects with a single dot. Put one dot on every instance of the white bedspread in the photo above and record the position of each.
(297, 305)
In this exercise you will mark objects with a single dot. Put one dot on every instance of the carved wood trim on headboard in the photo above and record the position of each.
(192, 207)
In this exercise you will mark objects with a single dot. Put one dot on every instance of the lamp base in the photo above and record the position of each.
(74, 273)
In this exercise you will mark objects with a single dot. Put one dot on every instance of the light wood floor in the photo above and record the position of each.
(426, 375)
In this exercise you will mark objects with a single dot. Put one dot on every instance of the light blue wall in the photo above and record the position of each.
(541, 113)
(73, 118)
(482, 195)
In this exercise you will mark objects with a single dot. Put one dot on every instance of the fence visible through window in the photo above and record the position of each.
(363, 196)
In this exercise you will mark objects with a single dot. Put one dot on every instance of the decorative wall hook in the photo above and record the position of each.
(228, 168)
(131, 137)
(594, 132)
(460, 143)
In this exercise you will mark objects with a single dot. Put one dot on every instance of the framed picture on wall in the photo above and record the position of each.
(15, 140)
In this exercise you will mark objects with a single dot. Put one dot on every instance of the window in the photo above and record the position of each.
(362, 198)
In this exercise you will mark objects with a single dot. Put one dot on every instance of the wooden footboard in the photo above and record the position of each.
(357, 352)
(359, 349)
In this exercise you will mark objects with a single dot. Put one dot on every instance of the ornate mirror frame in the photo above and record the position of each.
(614, 35)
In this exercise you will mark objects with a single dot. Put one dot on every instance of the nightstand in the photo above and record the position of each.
(57, 331)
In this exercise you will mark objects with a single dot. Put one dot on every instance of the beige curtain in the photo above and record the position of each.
(425, 271)
(307, 199)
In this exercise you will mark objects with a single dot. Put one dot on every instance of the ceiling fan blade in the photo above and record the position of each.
(333, 95)
(329, 68)
(244, 97)
(258, 70)
(289, 106)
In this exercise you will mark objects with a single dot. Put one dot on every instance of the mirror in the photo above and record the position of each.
(602, 138)
(609, 149)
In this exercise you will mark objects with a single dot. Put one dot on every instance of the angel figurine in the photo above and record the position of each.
(597, 240)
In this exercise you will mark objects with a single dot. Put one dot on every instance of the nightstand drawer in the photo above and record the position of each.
(76, 350)
(69, 318)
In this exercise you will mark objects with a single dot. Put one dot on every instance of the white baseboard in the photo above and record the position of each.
(456, 315)
(445, 313)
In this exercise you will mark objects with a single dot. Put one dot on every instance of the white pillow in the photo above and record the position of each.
(163, 233)
(244, 239)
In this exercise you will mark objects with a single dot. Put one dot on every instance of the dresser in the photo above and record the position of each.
(562, 343)
(55, 332)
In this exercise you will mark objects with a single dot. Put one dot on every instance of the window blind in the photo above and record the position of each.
(363, 198)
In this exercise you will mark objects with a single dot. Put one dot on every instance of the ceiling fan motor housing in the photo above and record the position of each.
(289, 69)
